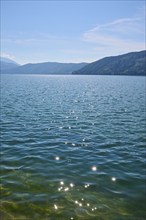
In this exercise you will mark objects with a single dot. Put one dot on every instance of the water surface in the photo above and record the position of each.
(73, 147)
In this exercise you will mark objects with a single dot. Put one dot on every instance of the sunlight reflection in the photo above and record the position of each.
(57, 158)
(55, 207)
(71, 185)
(66, 189)
(113, 179)
(87, 185)
(94, 168)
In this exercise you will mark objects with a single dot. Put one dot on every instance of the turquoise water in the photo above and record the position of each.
(73, 147)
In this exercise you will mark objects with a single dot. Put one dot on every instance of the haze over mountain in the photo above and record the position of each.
(7, 60)
(7, 64)
(133, 63)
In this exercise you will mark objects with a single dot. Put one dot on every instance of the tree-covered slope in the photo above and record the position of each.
(133, 63)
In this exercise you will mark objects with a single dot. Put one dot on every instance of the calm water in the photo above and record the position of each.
(73, 147)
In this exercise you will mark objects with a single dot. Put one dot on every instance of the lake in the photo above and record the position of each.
(73, 147)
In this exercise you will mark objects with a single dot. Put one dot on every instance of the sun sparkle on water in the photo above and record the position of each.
(113, 179)
(57, 158)
(94, 168)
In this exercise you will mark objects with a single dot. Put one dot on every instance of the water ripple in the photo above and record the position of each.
(73, 147)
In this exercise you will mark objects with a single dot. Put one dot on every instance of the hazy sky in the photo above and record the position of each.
(70, 31)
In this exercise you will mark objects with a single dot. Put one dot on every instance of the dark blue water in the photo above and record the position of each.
(73, 147)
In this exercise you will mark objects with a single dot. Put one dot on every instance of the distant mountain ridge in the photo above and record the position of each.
(7, 64)
(46, 68)
(133, 63)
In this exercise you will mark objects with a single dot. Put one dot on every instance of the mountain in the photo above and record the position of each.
(46, 68)
(133, 63)
(7, 64)
(7, 60)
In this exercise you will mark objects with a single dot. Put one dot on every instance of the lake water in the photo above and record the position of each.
(73, 147)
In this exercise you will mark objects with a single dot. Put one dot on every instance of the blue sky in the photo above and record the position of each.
(70, 31)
